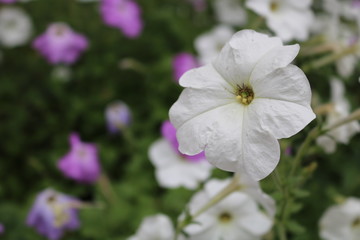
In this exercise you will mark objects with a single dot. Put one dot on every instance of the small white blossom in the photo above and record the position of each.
(341, 109)
(341, 222)
(236, 217)
(289, 19)
(174, 169)
(230, 12)
(339, 37)
(15, 27)
(157, 227)
(237, 107)
(208, 45)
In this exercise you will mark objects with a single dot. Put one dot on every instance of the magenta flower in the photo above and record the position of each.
(60, 44)
(183, 62)
(81, 163)
(117, 116)
(53, 213)
(8, 1)
(2, 228)
(168, 131)
(124, 15)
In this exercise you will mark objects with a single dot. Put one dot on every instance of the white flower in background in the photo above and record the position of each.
(340, 110)
(289, 19)
(208, 45)
(230, 12)
(237, 107)
(236, 217)
(61, 73)
(157, 227)
(349, 9)
(15, 27)
(341, 222)
(340, 36)
(174, 169)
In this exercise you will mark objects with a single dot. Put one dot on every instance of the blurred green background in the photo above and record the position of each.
(38, 112)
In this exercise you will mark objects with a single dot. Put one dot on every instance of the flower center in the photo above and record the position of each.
(356, 223)
(244, 94)
(225, 217)
(61, 216)
(274, 6)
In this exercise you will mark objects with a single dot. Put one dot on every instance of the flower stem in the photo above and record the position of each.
(106, 188)
(352, 117)
(329, 58)
(314, 133)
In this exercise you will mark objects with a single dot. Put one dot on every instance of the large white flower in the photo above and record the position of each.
(208, 45)
(289, 19)
(157, 227)
(174, 169)
(230, 12)
(237, 107)
(341, 222)
(236, 217)
(15, 27)
(340, 110)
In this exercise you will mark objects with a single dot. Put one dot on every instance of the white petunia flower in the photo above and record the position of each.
(15, 27)
(339, 37)
(157, 227)
(289, 19)
(230, 12)
(208, 45)
(341, 222)
(174, 169)
(237, 107)
(340, 110)
(235, 217)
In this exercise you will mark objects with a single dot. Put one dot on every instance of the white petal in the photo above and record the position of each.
(261, 7)
(256, 223)
(278, 57)
(261, 152)
(173, 171)
(327, 143)
(301, 4)
(205, 127)
(281, 118)
(162, 155)
(288, 84)
(238, 58)
(346, 65)
(203, 77)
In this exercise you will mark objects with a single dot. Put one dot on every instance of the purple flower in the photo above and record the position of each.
(124, 15)
(117, 116)
(53, 213)
(8, 1)
(81, 163)
(60, 44)
(183, 62)
(168, 131)
(2, 228)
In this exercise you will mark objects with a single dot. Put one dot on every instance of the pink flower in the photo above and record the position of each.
(8, 1)
(183, 62)
(124, 15)
(60, 44)
(81, 163)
